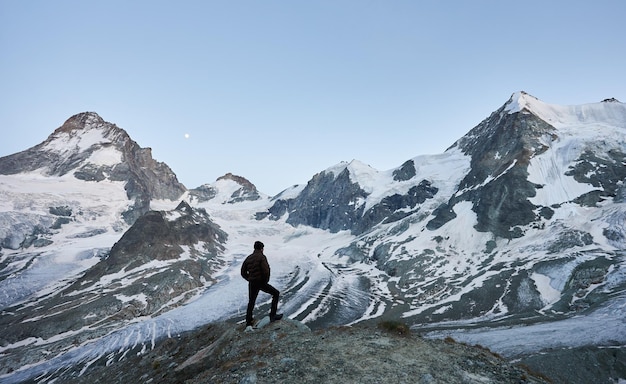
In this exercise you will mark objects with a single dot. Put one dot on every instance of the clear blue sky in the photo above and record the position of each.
(277, 91)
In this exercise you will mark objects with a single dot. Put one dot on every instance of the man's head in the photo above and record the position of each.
(258, 245)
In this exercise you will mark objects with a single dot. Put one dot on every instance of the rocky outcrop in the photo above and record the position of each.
(202, 193)
(605, 171)
(397, 206)
(288, 352)
(327, 202)
(161, 235)
(405, 172)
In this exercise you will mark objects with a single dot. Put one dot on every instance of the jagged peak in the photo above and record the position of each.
(354, 167)
(83, 130)
(520, 101)
(183, 206)
(359, 170)
(82, 120)
(608, 112)
(232, 189)
(85, 124)
(238, 179)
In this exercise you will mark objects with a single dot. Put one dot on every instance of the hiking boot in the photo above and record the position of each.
(276, 317)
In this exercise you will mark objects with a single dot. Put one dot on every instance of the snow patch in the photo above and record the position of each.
(141, 298)
(107, 156)
(549, 294)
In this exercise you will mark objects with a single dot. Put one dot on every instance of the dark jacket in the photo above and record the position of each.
(255, 268)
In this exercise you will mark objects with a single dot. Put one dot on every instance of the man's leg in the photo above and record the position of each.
(275, 295)
(253, 292)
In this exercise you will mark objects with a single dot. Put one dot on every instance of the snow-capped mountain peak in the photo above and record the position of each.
(609, 112)
(86, 138)
(359, 172)
(93, 150)
(83, 120)
(83, 140)
(227, 189)
(520, 101)
(89, 129)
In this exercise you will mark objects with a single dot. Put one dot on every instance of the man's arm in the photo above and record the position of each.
(244, 269)
(265, 267)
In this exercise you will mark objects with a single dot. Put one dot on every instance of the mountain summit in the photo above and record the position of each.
(92, 149)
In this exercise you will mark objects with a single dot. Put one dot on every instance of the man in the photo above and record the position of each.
(256, 271)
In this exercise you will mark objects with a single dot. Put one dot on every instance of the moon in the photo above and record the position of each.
(186, 135)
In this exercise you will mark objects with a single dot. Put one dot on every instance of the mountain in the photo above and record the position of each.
(91, 149)
(478, 231)
(512, 238)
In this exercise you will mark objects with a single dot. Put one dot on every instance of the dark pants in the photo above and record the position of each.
(253, 292)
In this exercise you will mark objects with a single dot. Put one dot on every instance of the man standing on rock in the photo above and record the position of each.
(256, 270)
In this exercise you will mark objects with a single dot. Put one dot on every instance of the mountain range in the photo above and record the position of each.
(512, 238)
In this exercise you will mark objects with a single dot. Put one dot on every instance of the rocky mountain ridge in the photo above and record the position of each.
(288, 351)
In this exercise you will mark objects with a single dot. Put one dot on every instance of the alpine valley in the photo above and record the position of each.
(514, 238)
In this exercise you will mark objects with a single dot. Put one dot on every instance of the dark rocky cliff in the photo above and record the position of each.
(500, 147)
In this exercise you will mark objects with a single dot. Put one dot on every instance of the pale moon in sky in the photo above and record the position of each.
(186, 135)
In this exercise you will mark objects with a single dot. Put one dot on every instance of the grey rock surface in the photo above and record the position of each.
(288, 352)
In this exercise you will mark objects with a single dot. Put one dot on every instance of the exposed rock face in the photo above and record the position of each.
(241, 190)
(288, 352)
(327, 202)
(335, 202)
(500, 148)
(159, 235)
(606, 172)
(95, 150)
(203, 193)
(395, 207)
(247, 192)
(405, 172)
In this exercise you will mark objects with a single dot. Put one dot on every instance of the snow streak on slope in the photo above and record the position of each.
(66, 143)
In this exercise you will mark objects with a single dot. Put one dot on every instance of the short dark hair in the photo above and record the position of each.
(258, 245)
